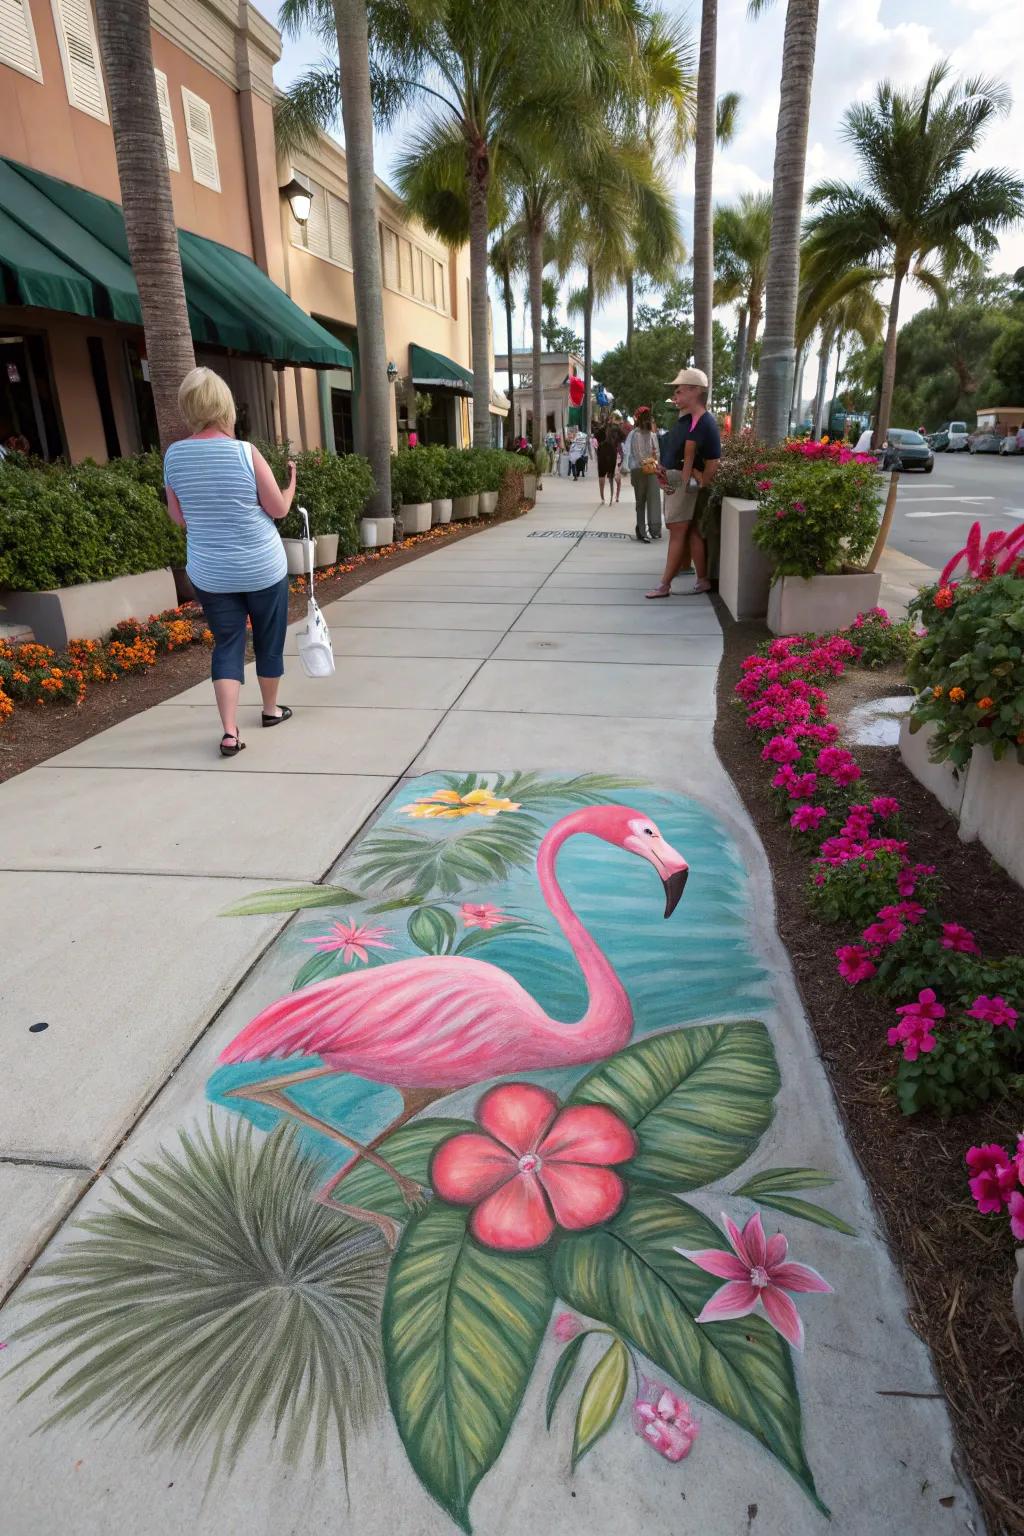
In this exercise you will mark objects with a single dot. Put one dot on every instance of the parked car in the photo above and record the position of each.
(1011, 444)
(985, 442)
(913, 450)
(958, 436)
(938, 441)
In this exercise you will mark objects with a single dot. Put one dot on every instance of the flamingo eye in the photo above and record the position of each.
(648, 831)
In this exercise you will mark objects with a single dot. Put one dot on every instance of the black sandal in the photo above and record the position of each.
(239, 744)
(285, 714)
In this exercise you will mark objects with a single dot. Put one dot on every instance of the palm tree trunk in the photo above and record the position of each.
(798, 387)
(824, 353)
(507, 282)
(536, 259)
(629, 311)
(479, 172)
(889, 358)
(588, 360)
(376, 404)
(743, 386)
(840, 342)
(703, 241)
(127, 49)
(778, 350)
(739, 363)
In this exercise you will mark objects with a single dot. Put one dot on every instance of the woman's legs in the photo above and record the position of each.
(618, 484)
(269, 611)
(601, 480)
(226, 613)
(227, 691)
(637, 479)
(678, 538)
(653, 506)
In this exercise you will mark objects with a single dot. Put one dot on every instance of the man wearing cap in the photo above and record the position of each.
(690, 455)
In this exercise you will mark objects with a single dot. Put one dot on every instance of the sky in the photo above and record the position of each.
(859, 44)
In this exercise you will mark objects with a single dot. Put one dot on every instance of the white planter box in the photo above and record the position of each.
(464, 507)
(441, 510)
(563, 466)
(744, 570)
(295, 555)
(326, 549)
(88, 611)
(488, 503)
(416, 516)
(798, 605)
(939, 778)
(993, 809)
(529, 487)
(375, 532)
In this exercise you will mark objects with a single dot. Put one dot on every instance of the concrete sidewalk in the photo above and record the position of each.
(528, 648)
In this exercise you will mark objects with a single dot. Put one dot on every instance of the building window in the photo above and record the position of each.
(339, 229)
(163, 97)
(202, 146)
(316, 235)
(405, 266)
(18, 38)
(327, 232)
(80, 56)
(389, 248)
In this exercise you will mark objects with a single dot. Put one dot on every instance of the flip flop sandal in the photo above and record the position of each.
(239, 744)
(701, 589)
(659, 592)
(285, 714)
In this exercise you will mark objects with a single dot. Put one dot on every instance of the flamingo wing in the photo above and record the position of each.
(436, 1021)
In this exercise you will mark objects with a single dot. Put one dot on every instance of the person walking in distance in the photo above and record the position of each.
(607, 456)
(642, 464)
(689, 512)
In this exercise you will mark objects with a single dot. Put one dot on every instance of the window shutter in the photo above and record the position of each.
(340, 229)
(428, 279)
(18, 38)
(80, 55)
(317, 234)
(390, 243)
(202, 147)
(163, 97)
(405, 253)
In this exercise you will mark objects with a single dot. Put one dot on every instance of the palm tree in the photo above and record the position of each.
(549, 299)
(858, 312)
(127, 50)
(703, 226)
(918, 198)
(506, 260)
(778, 349)
(742, 233)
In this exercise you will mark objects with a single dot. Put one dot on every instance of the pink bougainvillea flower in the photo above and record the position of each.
(781, 749)
(855, 964)
(956, 936)
(993, 1010)
(567, 1327)
(353, 941)
(803, 786)
(915, 1030)
(664, 1421)
(995, 1177)
(1017, 1215)
(480, 915)
(886, 931)
(755, 1271)
(537, 1166)
(904, 912)
(808, 818)
(885, 805)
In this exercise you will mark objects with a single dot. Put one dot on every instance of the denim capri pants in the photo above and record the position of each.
(226, 614)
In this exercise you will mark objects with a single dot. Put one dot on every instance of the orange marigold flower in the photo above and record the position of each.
(936, 693)
(986, 702)
(957, 695)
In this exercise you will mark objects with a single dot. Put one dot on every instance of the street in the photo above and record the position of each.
(935, 511)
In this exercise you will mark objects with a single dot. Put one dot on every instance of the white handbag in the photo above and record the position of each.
(316, 653)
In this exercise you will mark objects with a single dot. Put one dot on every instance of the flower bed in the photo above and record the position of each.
(36, 674)
(954, 1011)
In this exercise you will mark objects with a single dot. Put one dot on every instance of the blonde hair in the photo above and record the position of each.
(206, 401)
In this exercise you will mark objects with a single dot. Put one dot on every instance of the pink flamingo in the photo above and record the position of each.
(440, 1022)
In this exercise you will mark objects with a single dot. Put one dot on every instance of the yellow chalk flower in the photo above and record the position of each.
(447, 804)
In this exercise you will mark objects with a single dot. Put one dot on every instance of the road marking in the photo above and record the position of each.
(921, 500)
(972, 513)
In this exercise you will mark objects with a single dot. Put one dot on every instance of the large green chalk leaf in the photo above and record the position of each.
(627, 1276)
(462, 1328)
(409, 1149)
(291, 898)
(699, 1099)
(601, 1400)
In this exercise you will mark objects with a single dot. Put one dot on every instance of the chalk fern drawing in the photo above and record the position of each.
(374, 1244)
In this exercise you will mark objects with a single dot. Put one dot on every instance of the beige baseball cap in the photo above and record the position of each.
(693, 376)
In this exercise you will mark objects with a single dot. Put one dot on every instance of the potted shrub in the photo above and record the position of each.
(462, 483)
(414, 483)
(334, 489)
(492, 472)
(744, 569)
(817, 516)
(440, 501)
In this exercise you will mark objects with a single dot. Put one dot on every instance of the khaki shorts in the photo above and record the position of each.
(681, 506)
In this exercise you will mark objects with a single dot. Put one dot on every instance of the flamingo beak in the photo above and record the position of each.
(674, 885)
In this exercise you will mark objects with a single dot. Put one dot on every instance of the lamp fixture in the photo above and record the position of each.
(300, 198)
(392, 372)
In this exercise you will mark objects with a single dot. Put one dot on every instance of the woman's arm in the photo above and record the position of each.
(174, 511)
(275, 502)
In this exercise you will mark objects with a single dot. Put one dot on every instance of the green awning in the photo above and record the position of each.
(64, 248)
(432, 370)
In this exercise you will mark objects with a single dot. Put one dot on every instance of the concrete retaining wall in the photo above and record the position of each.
(987, 797)
(744, 570)
(88, 611)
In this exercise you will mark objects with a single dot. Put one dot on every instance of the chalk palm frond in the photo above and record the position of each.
(212, 1299)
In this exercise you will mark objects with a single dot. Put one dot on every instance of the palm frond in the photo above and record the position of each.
(540, 791)
(309, 107)
(212, 1299)
(727, 115)
(444, 866)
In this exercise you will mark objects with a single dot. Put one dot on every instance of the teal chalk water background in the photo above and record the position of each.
(699, 966)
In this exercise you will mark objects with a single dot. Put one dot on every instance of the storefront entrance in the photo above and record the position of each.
(27, 410)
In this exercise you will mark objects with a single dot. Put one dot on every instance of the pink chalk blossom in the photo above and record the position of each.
(664, 1421)
(480, 915)
(353, 941)
(567, 1327)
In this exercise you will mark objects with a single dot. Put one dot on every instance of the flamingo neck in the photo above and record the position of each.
(608, 1020)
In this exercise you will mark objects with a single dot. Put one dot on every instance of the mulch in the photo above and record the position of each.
(957, 1265)
(32, 735)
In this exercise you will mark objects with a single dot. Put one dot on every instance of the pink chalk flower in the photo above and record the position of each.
(956, 936)
(567, 1327)
(353, 941)
(756, 1271)
(664, 1421)
(993, 1010)
(537, 1166)
(480, 915)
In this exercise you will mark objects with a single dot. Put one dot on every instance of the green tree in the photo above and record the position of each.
(1007, 363)
(918, 198)
(742, 233)
(506, 260)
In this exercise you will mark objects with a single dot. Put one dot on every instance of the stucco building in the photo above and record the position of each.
(555, 370)
(73, 371)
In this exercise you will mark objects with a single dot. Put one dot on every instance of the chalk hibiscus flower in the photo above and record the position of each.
(353, 941)
(537, 1166)
(756, 1271)
(479, 915)
(449, 805)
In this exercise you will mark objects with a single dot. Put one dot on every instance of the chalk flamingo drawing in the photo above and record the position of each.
(430, 1025)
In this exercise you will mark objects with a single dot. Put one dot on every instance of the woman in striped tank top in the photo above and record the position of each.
(224, 495)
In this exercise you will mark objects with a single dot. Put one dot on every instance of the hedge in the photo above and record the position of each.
(333, 489)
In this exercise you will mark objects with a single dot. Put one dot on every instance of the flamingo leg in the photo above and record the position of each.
(413, 1101)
